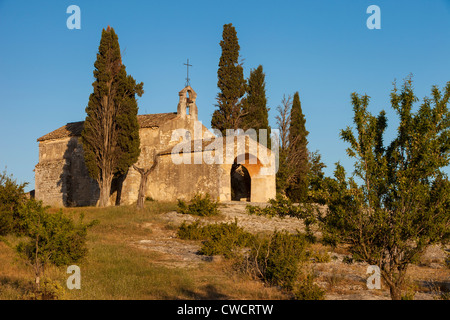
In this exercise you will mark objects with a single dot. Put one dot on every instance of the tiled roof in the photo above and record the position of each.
(74, 129)
(155, 120)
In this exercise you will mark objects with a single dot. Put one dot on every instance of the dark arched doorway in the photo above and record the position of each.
(240, 183)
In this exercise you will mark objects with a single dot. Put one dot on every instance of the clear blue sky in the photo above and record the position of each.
(322, 49)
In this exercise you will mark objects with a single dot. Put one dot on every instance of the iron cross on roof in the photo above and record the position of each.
(187, 77)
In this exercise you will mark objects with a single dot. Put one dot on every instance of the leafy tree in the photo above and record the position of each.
(298, 189)
(285, 167)
(255, 105)
(403, 200)
(316, 178)
(292, 174)
(12, 195)
(51, 238)
(110, 136)
(231, 83)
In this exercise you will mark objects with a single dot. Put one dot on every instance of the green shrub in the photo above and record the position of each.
(282, 207)
(191, 231)
(219, 239)
(48, 290)
(308, 290)
(277, 258)
(51, 238)
(320, 256)
(225, 240)
(199, 206)
(409, 295)
(12, 196)
(278, 207)
(257, 211)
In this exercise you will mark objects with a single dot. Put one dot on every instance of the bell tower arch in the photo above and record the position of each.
(186, 106)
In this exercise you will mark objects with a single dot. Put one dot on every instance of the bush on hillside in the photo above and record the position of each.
(218, 239)
(12, 196)
(308, 290)
(51, 238)
(276, 259)
(202, 206)
(278, 207)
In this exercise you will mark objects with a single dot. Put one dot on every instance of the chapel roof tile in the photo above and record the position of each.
(73, 129)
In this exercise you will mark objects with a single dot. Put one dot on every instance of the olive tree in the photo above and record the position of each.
(398, 201)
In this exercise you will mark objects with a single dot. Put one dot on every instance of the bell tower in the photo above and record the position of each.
(186, 106)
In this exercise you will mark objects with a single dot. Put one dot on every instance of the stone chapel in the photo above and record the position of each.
(208, 163)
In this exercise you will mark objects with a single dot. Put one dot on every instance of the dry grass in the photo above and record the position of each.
(348, 280)
(16, 276)
(115, 269)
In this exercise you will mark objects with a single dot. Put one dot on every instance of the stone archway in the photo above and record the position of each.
(260, 178)
(240, 183)
(245, 167)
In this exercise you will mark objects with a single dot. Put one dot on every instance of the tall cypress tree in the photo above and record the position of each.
(255, 104)
(110, 136)
(231, 83)
(298, 190)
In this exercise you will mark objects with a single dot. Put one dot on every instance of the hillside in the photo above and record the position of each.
(137, 255)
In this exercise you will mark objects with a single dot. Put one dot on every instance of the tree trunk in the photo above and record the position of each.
(105, 191)
(393, 279)
(144, 178)
(142, 187)
(37, 262)
(396, 293)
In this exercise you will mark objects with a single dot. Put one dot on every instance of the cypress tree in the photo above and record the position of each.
(255, 104)
(298, 190)
(231, 83)
(110, 136)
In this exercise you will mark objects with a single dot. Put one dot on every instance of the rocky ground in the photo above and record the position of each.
(341, 280)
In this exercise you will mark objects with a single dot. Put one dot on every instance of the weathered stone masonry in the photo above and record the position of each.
(62, 179)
